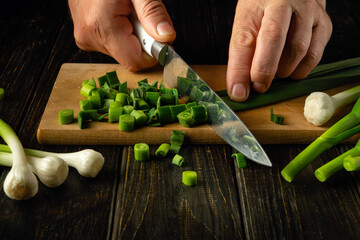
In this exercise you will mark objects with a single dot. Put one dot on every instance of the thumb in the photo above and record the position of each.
(156, 21)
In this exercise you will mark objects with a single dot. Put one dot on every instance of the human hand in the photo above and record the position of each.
(103, 26)
(274, 37)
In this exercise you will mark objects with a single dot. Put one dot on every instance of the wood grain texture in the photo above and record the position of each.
(153, 202)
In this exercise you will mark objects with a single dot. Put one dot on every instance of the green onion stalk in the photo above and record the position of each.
(343, 129)
(335, 165)
(352, 163)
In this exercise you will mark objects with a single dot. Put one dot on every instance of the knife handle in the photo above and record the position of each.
(149, 44)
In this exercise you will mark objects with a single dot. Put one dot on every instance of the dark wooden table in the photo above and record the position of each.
(147, 200)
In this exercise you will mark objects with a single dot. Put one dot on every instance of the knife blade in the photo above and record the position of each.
(222, 118)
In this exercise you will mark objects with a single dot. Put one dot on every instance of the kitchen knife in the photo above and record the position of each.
(221, 118)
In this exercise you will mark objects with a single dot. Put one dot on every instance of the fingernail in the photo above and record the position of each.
(164, 29)
(239, 92)
(259, 86)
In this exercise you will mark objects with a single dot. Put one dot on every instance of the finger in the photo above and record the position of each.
(241, 51)
(270, 43)
(155, 19)
(297, 44)
(125, 47)
(320, 37)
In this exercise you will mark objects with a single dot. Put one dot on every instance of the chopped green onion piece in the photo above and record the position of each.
(189, 178)
(152, 117)
(276, 118)
(102, 80)
(141, 104)
(123, 98)
(95, 101)
(178, 160)
(167, 99)
(2, 94)
(176, 140)
(116, 104)
(184, 85)
(112, 79)
(189, 105)
(352, 163)
(90, 82)
(123, 88)
(195, 94)
(66, 116)
(198, 113)
(114, 114)
(175, 110)
(126, 123)
(128, 109)
(186, 119)
(140, 117)
(152, 98)
(86, 90)
(108, 102)
(240, 159)
(101, 92)
(141, 152)
(85, 105)
(162, 150)
(176, 96)
(164, 114)
(142, 81)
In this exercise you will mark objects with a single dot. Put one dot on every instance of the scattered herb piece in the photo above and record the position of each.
(66, 116)
(163, 150)
(276, 118)
(178, 160)
(141, 152)
(176, 140)
(189, 178)
(240, 159)
(2, 94)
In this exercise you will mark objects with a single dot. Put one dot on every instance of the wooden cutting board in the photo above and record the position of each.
(66, 95)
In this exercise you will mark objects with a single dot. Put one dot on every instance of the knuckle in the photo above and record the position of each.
(151, 7)
(273, 31)
(244, 38)
(299, 46)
